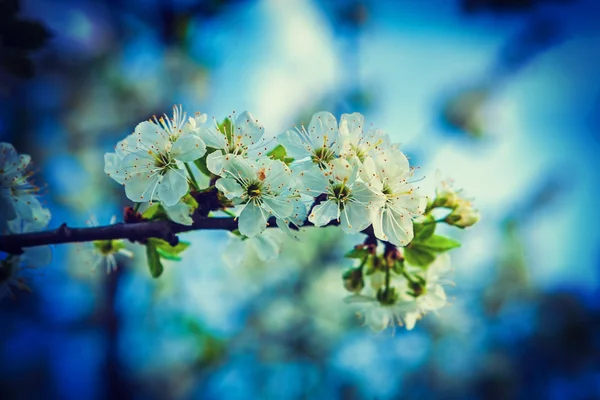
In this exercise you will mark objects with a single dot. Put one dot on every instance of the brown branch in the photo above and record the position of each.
(137, 231)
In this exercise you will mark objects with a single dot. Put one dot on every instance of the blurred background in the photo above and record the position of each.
(501, 95)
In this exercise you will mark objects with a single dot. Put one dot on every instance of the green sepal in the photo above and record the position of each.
(154, 264)
(155, 212)
(398, 267)
(151, 211)
(359, 253)
(419, 256)
(189, 200)
(279, 153)
(439, 244)
(424, 231)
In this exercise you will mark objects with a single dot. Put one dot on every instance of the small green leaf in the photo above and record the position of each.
(418, 256)
(359, 253)
(167, 256)
(279, 153)
(424, 231)
(165, 247)
(154, 263)
(439, 244)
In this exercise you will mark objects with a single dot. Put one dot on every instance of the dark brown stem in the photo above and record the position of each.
(138, 231)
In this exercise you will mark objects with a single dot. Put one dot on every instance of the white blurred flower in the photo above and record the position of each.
(433, 296)
(265, 246)
(102, 253)
(18, 196)
(17, 270)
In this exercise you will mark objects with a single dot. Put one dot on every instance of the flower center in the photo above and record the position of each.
(359, 153)
(322, 156)
(162, 161)
(340, 194)
(254, 190)
(104, 247)
(7, 269)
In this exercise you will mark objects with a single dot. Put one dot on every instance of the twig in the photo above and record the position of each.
(137, 231)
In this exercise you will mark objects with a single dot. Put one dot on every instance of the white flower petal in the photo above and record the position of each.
(312, 182)
(252, 220)
(355, 217)
(141, 187)
(113, 167)
(323, 130)
(179, 213)
(378, 318)
(151, 137)
(352, 124)
(295, 147)
(248, 128)
(229, 187)
(172, 187)
(188, 148)
(38, 256)
(281, 207)
(213, 137)
(324, 212)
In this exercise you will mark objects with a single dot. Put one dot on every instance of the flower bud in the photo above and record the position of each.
(353, 280)
(464, 215)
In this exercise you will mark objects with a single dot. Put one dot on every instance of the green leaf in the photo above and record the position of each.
(226, 128)
(279, 153)
(359, 253)
(439, 244)
(167, 248)
(418, 256)
(154, 263)
(201, 162)
(424, 231)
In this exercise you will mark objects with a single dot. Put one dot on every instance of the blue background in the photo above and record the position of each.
(501, 95)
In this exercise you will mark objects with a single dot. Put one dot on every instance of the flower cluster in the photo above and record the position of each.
(397, 292)
(337, 171)
(328, 173)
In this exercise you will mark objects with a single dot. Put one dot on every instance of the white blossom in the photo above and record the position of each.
(240, 137)
(149, 162)
(320, 144)
(357, 144)
(102, 252)
(346, 198)
(393, 221)
(17, 270)
(18, 196)
(260, 189)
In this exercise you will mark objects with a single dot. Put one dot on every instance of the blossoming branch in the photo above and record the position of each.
(181, 172)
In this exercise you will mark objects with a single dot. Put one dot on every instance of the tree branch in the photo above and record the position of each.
(135, 231)
(166, 230)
